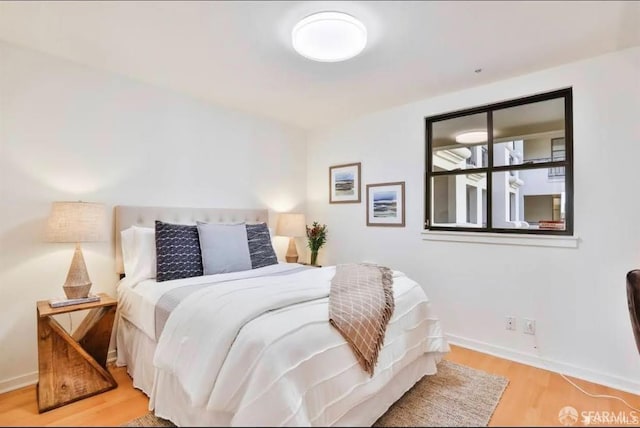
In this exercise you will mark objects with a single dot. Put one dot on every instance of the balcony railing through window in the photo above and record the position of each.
(558, 171)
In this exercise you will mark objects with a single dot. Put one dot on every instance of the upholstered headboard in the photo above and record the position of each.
(126, 216)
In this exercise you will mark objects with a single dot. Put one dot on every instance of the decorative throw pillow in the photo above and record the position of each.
(177, 251)
(224, 247)
(260, 246)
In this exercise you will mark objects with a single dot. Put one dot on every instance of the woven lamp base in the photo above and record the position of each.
(78, 284)
(292, 252)
(76, 291)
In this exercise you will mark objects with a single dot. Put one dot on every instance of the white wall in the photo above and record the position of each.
(577, 296)
(68, 132)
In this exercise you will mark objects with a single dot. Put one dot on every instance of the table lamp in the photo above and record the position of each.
(291, 225)
(76, 222)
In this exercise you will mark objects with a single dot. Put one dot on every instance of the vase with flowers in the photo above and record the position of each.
(316, 238)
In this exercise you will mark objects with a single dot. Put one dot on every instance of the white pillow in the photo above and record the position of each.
(139, 253)
(145, 247)
(127, 245)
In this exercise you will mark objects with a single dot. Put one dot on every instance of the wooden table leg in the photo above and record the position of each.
(94, 333)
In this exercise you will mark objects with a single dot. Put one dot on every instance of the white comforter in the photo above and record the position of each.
(262, 352)
(137, 300)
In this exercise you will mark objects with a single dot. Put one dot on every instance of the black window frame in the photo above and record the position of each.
(489, 169)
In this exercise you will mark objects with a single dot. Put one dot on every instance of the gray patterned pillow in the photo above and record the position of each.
(177, 251)
(260, 247)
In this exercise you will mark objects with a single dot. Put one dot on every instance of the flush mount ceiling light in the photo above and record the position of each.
(329, 37)
(472, 137)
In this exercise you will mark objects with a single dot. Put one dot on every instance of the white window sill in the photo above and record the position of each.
(502, 239)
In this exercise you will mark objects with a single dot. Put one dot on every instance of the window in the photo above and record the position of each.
(506, 167)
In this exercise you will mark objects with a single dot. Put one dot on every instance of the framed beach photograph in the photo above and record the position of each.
(344, 183)
(385, 204)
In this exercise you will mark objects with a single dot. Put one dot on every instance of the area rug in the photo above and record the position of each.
(457, 396)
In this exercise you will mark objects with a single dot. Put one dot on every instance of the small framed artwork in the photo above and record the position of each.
(344, 184)
(385, 204)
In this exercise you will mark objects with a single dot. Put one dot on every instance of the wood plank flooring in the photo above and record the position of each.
(534, 397)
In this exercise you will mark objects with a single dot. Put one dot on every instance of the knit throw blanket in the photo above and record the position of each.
(360, 306)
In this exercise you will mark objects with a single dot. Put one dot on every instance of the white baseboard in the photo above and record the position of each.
(21, 381)
(18, 382)
(605, 379)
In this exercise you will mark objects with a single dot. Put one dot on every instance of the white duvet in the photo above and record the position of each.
(137, 300)
(260, 351)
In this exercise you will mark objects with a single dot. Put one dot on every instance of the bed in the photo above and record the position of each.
(219, 358)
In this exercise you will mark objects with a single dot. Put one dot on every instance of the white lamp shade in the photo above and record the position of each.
(291, 225)
(76, 222)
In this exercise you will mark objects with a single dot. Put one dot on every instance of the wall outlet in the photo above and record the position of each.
(510, 323)
(529, 326)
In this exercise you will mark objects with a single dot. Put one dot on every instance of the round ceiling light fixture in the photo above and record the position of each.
(329, 37)
(472, 137)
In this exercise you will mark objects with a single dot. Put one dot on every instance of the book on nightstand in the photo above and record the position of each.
(58, 302)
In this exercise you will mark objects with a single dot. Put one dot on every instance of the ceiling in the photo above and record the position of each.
(239, 55)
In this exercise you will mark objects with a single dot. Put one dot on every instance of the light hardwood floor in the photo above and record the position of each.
(533, 398)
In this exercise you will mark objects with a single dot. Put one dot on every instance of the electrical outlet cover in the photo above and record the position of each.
(529, 326)
(510, 323)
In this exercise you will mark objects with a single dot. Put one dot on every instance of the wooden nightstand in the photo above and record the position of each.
(74, 366)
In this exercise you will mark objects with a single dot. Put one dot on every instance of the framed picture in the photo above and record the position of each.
(385, 204)
(344, 184)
